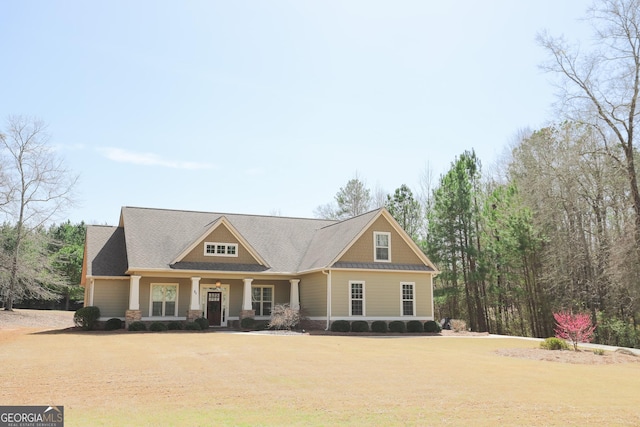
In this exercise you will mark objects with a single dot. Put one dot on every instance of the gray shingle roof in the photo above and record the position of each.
(106, 253)
(383, 266)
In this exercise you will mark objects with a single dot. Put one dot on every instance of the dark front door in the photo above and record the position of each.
(214, 308)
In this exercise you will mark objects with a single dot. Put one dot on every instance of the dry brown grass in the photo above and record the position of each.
(202, 379)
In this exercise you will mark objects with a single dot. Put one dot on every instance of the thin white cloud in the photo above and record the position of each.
(148, 159)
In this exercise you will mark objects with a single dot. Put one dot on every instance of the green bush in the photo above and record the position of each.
(359, 326)
(192, 326)
(174, 326)
(414, 326)
(260, 325)
(554, 343)
(397, 326)
(340, 326)
(86, 317)
(432, 326)
(203, 322)
(158, 327)
(137, 326)
(113, 324)
(248, 323)
(378, 326)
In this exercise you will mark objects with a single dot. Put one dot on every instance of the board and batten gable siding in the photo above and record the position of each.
(382, 293)
(111, 296)
(313, 294)
(362, 250)
(220, 235)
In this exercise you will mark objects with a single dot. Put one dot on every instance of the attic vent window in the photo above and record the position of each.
(382, 246)
(220, 249)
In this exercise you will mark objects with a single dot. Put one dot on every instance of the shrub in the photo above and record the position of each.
(86, 317)
(554, 344)
(174, 326)
(432, 326)
(158, 327)
(260, 325)
(203, 322)
(414, 326)
(359, 326)
(378, 326)
(340, 326)
(248, 323)
(458, 325)
(397, 326)
(113, 324)
(137, 326)
(598, 352)
(192, 326)
(283, 317)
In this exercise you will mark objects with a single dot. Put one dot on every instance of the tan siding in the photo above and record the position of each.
(362, 249)
(111, 296)
(313, 294)
(382, 292)
(220, 235)
(184, 293)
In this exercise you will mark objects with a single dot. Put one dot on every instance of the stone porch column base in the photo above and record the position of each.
(193, 315)
(131, 316)
(247, 313)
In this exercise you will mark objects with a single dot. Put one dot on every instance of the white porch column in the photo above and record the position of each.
(134, 293)
(246, 295)
(195, 294)
(294, 294)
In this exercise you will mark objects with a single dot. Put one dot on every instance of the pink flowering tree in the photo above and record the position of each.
(574, 327)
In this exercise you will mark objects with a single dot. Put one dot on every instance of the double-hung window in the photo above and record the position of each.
(382, 246)
(262, 300)
(408, 300)
(356, 298)
(164, 300)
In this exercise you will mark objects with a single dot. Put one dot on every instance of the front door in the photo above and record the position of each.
(214, 308)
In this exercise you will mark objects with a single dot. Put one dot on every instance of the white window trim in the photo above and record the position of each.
(172, 316)
(226, 245)
(273, 299)
(402, 300)
(364, 305)
(375, 246)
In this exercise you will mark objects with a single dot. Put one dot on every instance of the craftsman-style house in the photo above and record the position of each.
(164, 265)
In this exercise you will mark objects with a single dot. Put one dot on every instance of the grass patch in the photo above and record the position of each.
(247, 380)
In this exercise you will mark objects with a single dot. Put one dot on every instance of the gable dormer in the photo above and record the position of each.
(221, 243)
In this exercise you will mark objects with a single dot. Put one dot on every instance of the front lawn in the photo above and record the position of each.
(196, 379)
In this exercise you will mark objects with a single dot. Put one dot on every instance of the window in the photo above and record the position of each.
(407, 299)
(356, 298)
(220, 249)
(382, 246)
(164, 300)
(262, 300)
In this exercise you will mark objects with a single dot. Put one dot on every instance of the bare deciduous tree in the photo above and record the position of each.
(35, 187)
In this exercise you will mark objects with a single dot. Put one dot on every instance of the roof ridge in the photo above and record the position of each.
(342, 221)
(228, 213)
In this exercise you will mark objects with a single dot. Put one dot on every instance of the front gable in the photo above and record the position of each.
(400, 249)
(220, 244)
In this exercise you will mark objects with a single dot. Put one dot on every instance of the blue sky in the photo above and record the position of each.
(271, 106)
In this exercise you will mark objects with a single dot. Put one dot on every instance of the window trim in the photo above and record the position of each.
(375, 246)
(413, 300)
(164, 313)
(226, 250)
(273, 298)
(364, 309)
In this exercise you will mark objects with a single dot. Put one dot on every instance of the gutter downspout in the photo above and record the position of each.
(328, 274)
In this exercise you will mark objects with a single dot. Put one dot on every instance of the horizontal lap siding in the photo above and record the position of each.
(382, 292)
(313, 294)
(111, 296)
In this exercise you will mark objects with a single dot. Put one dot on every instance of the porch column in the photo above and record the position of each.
(134, 293)
(194, 306)
(247, 308)
(133, 314)
(294, 294)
